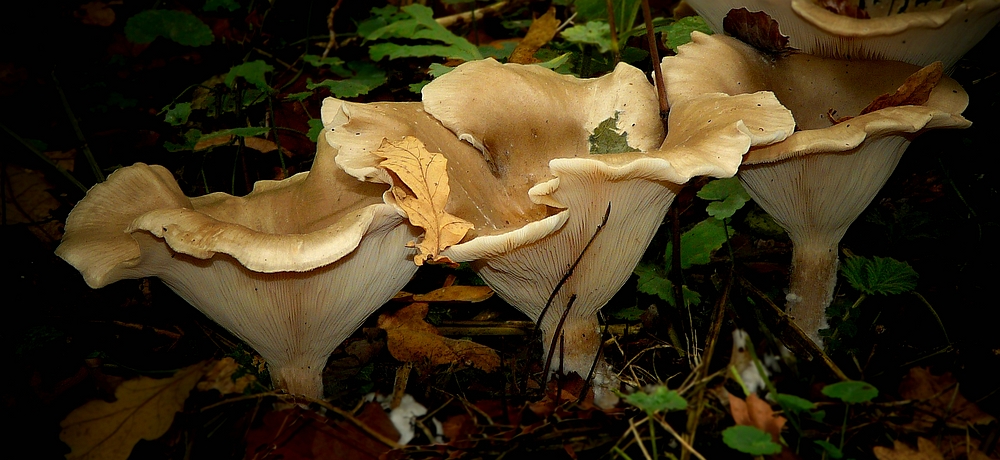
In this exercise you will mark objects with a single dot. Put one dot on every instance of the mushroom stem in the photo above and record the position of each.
(810, 291)
(304, 379)
(580, 344)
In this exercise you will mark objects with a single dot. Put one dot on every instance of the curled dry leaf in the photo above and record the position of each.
(144, 408)
(541, 31)
(757, 413)
(916, 90)
(220, 377)
(411, 339)
(926, 450)
(938, 397)
(757, 30)
(420, 187)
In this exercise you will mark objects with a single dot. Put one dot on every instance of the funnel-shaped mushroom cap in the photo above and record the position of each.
(531, 121)
(915, 32)
(817, 182)
(292, 269)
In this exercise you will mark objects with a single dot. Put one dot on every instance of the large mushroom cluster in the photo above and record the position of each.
(558, 218)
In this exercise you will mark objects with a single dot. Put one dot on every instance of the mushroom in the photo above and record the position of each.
(915, 32)
(292, 269)
(817, 182)
(533, 130)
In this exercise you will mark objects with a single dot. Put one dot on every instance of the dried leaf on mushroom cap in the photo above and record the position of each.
(926, 32)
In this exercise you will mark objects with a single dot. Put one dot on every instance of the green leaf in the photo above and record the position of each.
(315, 128)
(750, 440)
(503, 52)
(762, 223)
(436, 70)
(632, 313)
(178, 114)
(190, 140)
(253, 72)
(555, 62)
(879, 275)
(653, 282)
(831, 450)
(794, 403)
(420, 26)
(625, 12)
(699, 243)
(213, 5)
(679, 32)
(660, 400)
(851, 391)
(395, 51)
(727, 196)
(607, 139)
(592, 33)
(242, 132)
(367, 76)
(183, 28)
(335, 64)
(295, 97)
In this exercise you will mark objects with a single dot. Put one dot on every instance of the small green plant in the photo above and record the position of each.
(654, 403)
(750, 440)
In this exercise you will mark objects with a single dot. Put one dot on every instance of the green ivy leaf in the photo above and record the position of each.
(727, 196)
(851, 391)
(699, 243)
(178, 114)
(607, 139)
(592, 33)
(750, 440)
(367, 76)
(315, 128)
(660, 400)
(213, 5)
(679, 32)
(794, 403)
(253, 72)
(879, 275)
(183, 28)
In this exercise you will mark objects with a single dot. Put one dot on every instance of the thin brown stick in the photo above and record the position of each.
(614, 35)
(467, 16)
(654, 54)
(329, 25)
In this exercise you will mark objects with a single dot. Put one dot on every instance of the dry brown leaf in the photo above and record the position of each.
(97, 13)
(757, 413)
(302, 434)
(541, 32)
(413, 340)
(144, 409)
(914, 91)
(940, 399)
(756, 29)
(420, 186)
(220, 377)
(30, 200)
(456, 294)
(845, 8)
(256, 143)
(926, 450)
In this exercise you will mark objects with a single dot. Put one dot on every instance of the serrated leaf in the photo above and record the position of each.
(436, 70)
(653, 282)
(183, 28)
(144, 408)
(727, 196)
(596, 33)
(178, 114)
(607, 139)
(412, 339)
(879, 275)
(315, 128)
(699, 243)
(660, 400)
(213, 5)
(750, 440)
(367, 76)
(851, 391)
(420, 26)
(253, 72)
(420, 186)
(679, 33)
(396, 51)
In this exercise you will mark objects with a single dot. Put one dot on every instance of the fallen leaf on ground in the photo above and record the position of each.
(97, 13)
(220, 377)
(926, 450)
(939, 398)
(456, 294)
(420, 186)
(541, 31)
(757, 413)
(916, 90)
(845, 8)
(411, 339)
(300, 434)
(144, 409)
(756, 29)
(30, 198)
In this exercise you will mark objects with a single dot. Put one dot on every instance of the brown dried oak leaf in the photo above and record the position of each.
(144, 408)
(220, 377)
(938, 398)
(412, 340)
(541, 31)
(757, 413)
(926, 450)
(757, 29)
(420, 186)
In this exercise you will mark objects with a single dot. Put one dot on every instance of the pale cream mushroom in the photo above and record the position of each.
(533, 128)
(817, 182)
(292, 269)
(915, 32)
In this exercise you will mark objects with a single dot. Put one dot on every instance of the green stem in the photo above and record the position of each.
(652, 434)
(934, 312)
(621, 453)
(66, 174)
(843, 428)
(94, 167)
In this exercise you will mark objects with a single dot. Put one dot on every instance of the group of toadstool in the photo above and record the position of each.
(558, 221)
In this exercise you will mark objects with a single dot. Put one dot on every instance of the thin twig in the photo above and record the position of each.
(654, 54)
(614, 36)
(94, 167)
(558, 334)
(329, 25)
(688, 447)
(62, 171)
(467, 16)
